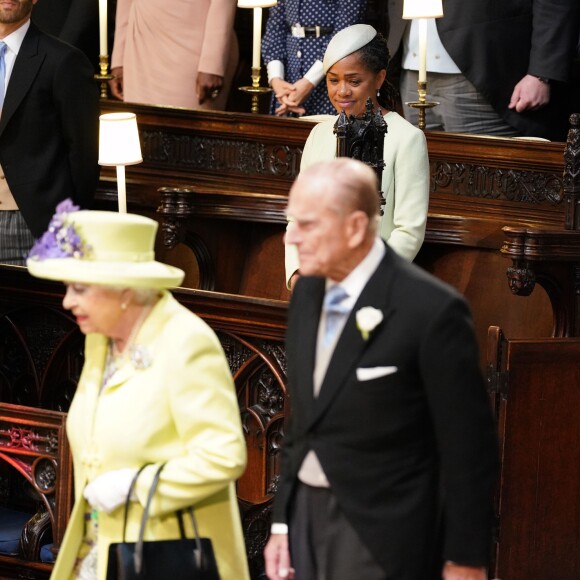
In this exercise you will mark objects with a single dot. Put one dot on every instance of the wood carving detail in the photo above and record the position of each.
(36, 463)
(34, 534)
(363, 138)
(572, 174)
(261, 385)
(256, 522)
(552, 256)
(40, 357)
(171, 232)
(29, 439)
(208, 154)
(493, 183)
(521, 280)
(257, 368)
(44, 474)
(176, 208)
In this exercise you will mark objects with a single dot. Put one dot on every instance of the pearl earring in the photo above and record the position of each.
(123, 306)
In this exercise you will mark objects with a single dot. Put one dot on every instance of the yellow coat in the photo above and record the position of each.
(182, 410)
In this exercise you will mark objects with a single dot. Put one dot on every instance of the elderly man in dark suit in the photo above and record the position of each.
(48, 129)
(389, 460)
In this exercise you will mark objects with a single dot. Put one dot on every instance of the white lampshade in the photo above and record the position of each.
(422, 9)
(119, 139)
(256, 3)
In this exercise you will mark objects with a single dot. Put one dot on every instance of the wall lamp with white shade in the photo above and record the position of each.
(119, 146)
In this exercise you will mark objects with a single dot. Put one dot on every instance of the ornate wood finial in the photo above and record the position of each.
(571, 182)
(363, 138)
(521, 280)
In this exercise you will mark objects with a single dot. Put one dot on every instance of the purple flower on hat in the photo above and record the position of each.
(61, 240)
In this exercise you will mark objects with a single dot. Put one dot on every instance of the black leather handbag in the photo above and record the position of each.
(180, 559)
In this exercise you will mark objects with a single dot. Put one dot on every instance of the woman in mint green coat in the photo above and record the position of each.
(155, 388)
(355, 64)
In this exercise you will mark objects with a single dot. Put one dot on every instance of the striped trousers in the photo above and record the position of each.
(15, 238)
(461, 108)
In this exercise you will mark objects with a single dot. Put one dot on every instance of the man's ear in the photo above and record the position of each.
(357, 228)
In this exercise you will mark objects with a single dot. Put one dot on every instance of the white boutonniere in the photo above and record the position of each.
(367, 319)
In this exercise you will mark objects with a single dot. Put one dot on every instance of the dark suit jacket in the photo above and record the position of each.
(495, 44)
(49, 128)
(386, 444)
(75, 22)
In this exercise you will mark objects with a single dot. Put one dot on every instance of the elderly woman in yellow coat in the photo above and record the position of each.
(155, 389)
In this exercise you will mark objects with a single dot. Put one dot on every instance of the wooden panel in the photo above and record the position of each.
(480, 275)
(248, 162)
(539, 418)
(34, 446)
(219, 182)
(498, 179)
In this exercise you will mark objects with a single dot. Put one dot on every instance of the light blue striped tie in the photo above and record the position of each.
(335, 311)
(2, 72)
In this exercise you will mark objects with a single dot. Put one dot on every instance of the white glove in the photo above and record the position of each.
(109, 490)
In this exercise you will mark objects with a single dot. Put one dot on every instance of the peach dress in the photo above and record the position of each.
(161, 45)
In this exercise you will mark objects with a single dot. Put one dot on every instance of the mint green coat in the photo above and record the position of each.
(181, 410)
(405, 183)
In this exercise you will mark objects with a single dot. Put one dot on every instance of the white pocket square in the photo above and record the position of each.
(369, 374)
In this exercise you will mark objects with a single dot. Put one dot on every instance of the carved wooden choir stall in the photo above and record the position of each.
(218, 185)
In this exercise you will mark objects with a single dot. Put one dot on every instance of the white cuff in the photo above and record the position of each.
(315, 73)
(275, 69)
(279, 529)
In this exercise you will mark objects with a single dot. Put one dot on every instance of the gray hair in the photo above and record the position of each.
(353, 185)
(141, 296)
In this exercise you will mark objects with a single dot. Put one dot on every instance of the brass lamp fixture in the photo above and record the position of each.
(421, 10)
(256, 90)
(104, 74)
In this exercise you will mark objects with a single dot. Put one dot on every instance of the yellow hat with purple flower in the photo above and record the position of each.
(101, 247)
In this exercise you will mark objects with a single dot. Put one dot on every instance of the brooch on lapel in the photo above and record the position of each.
(141, 358)
(367, 319)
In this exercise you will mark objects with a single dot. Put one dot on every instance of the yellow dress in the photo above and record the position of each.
(177, 405)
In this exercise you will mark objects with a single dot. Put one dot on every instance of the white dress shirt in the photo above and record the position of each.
(438, 59)
(311, 471)
(13, 43)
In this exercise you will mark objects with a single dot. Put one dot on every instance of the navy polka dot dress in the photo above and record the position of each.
(299, 54)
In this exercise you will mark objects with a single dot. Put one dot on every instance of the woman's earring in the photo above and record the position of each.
(123, 306)
(378, 92)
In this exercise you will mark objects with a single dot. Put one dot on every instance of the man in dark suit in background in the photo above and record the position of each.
(389, 459)
(75, 22)
(515, 56)
(49, 127)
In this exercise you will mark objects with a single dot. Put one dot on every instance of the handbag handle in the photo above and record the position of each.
(138, 556)
(128, 498)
